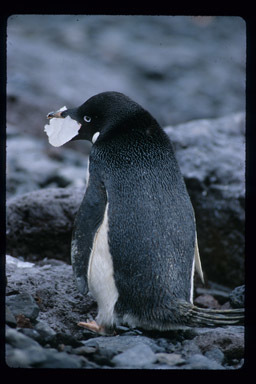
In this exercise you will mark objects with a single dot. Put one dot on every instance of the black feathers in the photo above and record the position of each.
(151, 224)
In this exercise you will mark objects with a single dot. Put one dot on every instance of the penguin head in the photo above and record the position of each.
(103, 114)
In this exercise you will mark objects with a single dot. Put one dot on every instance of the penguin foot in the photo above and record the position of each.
(92, 326)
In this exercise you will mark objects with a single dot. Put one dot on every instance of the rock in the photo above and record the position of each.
(32, 333)
(18, 340)
(24, 358)
(237, 297)
(85, 350)
(139, 356)
(24, 352)
(206, 301)
(221, 294)
(33, 165)
(201, 362)
(52, 285)
(67, 339)
(9, 317)
(189, 348)
(112, 345)
(39, 224)
(170, 358)
(215, 354)
(47, 334)
(229, 340)
(211, 154)
(23, 304)
(17, 262)
(55, 359)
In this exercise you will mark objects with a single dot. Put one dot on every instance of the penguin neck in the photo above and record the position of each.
(139, 123)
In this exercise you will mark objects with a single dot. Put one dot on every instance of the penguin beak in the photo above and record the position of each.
(54, 114)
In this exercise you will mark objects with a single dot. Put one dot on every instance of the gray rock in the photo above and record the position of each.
(32, 333)
(25, 358)
(18, 340)
(47, 334)
(139, 356)
(39, 224)
(33, 165)
(170, 358)
(215, 354)
(24, 352)
(55, 359)
(61, 305)
(237, 297)
(201, 362)
(35, 355)
(221, 295)
(229, 339)
(118, 344)
(23, 304)
(9, 317)
(190, 348)
(211, 154)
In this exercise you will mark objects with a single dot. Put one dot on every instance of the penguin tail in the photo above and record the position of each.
(202, 317)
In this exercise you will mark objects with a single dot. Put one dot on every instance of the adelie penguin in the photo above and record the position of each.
(134, 244)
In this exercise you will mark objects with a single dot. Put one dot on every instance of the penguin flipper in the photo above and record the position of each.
(198, 261)
(88, 220)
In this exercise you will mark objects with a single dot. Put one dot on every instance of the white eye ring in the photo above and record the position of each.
(87, 119)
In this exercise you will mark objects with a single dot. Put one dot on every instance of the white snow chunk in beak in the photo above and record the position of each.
(61, 130)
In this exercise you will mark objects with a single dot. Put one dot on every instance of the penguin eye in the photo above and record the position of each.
(87, 119)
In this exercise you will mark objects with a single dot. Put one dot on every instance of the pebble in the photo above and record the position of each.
(139, 356)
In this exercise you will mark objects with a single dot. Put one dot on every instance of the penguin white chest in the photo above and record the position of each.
(101, 274)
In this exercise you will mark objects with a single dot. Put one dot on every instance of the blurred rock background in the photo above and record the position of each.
(180, 68)
(189, 72)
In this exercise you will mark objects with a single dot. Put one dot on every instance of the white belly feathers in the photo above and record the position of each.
(101, 274)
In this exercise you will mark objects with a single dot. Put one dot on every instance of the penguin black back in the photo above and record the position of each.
(134, 242)
(151, 222)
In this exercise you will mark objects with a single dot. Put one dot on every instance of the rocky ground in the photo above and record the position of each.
(185, 71)
(43, 308)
